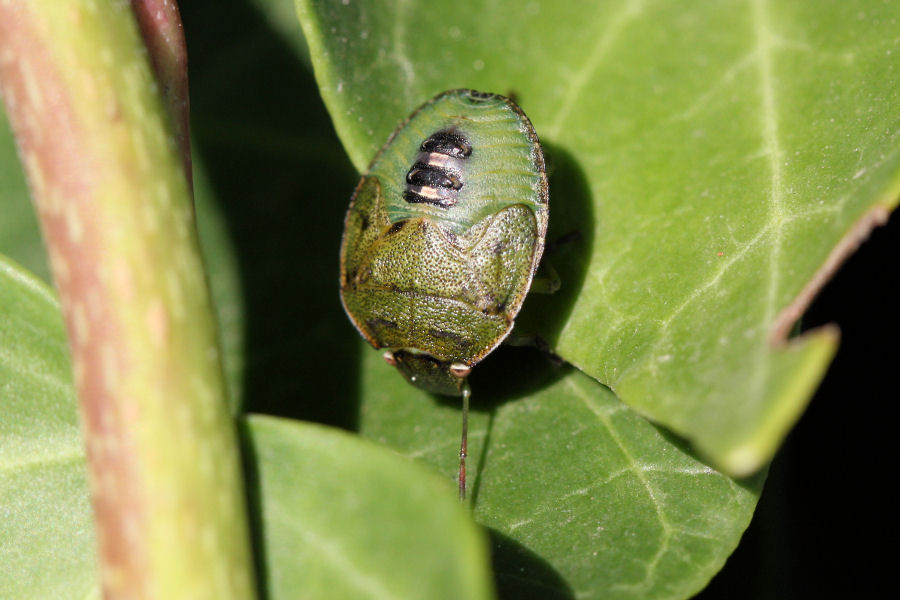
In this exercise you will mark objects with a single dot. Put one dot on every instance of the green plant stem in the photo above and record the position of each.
(116, 213)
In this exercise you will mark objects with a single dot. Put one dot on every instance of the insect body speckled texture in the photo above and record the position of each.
(443, 237)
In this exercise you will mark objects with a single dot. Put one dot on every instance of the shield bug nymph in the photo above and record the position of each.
(443, 237)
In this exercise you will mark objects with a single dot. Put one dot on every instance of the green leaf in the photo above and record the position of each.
(344, 518)
(719, 160)
(20, 237)
(47, 545)
(584, 498)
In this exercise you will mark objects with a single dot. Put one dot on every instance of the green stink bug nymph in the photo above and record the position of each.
(443, 237)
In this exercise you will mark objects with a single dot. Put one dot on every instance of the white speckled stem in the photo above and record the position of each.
(115, 209)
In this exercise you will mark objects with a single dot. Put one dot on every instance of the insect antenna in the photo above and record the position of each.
(466, 392)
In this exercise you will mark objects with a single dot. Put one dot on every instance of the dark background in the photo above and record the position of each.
(826, 524)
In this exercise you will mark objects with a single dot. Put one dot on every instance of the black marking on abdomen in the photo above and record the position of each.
(436, 175)
(450, 143)
(424, 174)
(442, 197)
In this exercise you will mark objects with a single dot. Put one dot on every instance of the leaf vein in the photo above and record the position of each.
(634, 465)
(37, 462)
(353, 575)
(400, 50)
(630, 10)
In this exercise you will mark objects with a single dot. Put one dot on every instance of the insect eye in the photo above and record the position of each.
(460, 370)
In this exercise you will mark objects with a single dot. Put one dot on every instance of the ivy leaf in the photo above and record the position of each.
(583, 497)
(718, 161)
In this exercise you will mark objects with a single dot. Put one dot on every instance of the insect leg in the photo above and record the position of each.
(548, 282)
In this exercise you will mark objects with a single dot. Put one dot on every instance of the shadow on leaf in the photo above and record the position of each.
(512, 372)
(521, 574)
(255, 508)
(570, 241)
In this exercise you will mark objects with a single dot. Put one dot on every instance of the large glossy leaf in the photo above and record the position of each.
(718, 160)
(584, 497)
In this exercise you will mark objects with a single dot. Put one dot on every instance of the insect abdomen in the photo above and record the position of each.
(436, 175)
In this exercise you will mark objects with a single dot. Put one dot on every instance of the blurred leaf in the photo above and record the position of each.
(584, 497)
(221, 266)
(344, 518)
(731, 153)
(281, 17)
(47, 545)
(20, 237)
